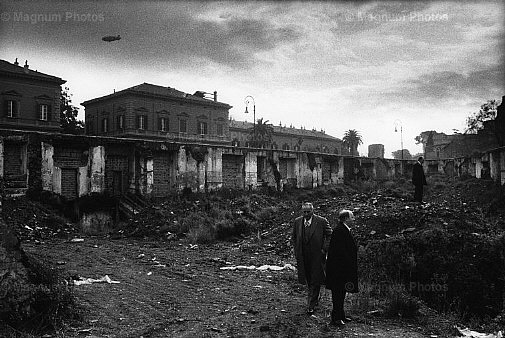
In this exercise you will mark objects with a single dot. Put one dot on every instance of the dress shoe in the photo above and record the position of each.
(337, 323)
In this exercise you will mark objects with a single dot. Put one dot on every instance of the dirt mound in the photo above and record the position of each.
(35, 221)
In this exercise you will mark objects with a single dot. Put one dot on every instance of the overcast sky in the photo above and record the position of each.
(325, 65)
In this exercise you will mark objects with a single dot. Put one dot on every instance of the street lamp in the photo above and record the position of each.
(248, 100)
(399, 122)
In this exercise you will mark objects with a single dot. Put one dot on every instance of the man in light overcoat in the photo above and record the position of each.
(311, 237)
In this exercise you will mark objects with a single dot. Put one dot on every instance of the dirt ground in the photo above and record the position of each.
(177, 289)
(169, 287)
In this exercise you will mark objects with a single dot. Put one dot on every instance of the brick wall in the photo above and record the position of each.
(232, 171)
(67, 157)
(163, 169)
(116, 168)
(12, 159)
(69, 182)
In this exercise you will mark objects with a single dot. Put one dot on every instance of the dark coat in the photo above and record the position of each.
(319, 238)
(418, 177)
(342, 262)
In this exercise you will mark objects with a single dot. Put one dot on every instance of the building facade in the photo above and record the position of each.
(288, 138)
(30, 99)
(161, 113)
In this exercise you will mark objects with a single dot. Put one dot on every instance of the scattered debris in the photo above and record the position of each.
(260, 268)
(474, 334)
(104, 279)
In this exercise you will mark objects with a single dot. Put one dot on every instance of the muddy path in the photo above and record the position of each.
(177, 289)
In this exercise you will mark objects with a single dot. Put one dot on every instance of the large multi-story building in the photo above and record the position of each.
(30, 99)
(288, 138)
(157, 112)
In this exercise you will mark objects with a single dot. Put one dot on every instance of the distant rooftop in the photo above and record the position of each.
(8, 68)
(155, 90)
(284, 130)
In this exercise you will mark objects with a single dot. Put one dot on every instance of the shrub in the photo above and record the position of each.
(203, 234)
(401, 304)
(266, 214)
(37, 301)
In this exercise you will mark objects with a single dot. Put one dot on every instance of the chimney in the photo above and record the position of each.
(215, 96)
(26, 64)
(16, 63)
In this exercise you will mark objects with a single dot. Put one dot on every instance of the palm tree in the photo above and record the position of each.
(352, 139)
(261, 134)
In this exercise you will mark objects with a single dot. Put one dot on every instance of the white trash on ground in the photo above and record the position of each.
(104, 279)
(260, 268)
(474, 334)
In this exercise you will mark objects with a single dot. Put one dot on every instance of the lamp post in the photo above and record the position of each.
(248, 100)
(399, 123)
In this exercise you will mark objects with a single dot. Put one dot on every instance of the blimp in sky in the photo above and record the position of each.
(110, 38)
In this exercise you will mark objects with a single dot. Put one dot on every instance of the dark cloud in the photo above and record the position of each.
(164, 33)
(438, 87)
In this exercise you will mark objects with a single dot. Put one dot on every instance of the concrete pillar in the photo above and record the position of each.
(213, 168)
(83, 181)
(478, 167)
(97, 183)
(1, 157)
(149, 175)
(47, 166)
(501, 166)
(57, 180)
(132, 173)
(251, 170)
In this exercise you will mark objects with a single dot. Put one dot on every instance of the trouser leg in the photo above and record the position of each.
(418, 193)
(313, 295)
(337, 298)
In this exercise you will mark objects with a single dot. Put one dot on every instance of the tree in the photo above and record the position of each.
(261, 134)
(352, 139)
(397, 154)
(487, 112)
(68, 115)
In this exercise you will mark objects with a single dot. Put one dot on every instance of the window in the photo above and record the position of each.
(182, 126)
(202, 128)
(120, 122)
(220, 129)
(285, 146)
(142, 122)
(90, 129)
(162, 124)
(44, 112)
(105, 125)
(12, 108)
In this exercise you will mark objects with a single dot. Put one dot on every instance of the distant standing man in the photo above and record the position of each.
(311, 237)
(418, 179)
(342, 266)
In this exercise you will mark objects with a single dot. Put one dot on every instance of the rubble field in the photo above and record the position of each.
(161, 274)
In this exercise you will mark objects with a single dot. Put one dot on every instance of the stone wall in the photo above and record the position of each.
(75, 167)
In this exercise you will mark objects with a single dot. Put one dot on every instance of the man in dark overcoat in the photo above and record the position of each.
(311, 237)
(342, 266)
(418, 179)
